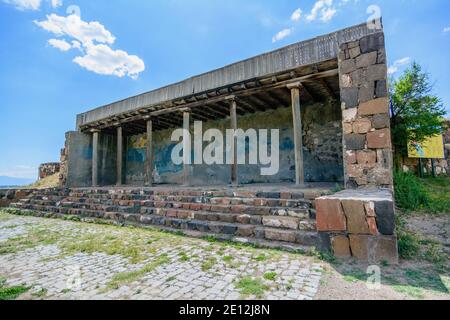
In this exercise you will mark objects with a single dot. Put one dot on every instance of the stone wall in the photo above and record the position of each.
(48, 169)
(365, 108)
(359, 224)
(322, 132)
(8, 196)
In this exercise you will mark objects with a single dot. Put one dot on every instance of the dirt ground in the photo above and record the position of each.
(411, 279)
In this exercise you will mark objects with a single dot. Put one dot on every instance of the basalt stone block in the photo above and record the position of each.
(381, 56)
(256, 220)
(245, 231)
(349, 115)
(280, 235)
(366, 92)
(366, 59)
(244, 219)
(324, 242)
(385, 216)
(372, 42)
(330, 215)
(383, 248)
(367, 158)
(381, 89)
(377, 72)
(380, 121)
(347, 66)
(341, 246)
(198, 225)
(355, 141)
(354, 52)
(349, 96)
(260, 233)
(269, 195)
(307, 238)
(281, 222)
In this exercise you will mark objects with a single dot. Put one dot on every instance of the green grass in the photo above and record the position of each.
(438, 193)
(209, 264)
(271, 276)
(41, 293)
(249, 286)
(11, 293)
(123, 278)
(228, 259)
(261, 257)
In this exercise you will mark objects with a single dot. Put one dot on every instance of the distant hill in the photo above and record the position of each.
(14, 182)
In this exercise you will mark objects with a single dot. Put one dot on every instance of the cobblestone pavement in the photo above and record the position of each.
(71, 260)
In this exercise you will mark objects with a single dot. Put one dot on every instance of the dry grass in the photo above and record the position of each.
(46, 183)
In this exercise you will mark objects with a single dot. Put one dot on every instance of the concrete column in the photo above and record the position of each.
(149, 163)
(298, 133)
(119, 156)
(95, 136)
(186, 148)
(234, 165)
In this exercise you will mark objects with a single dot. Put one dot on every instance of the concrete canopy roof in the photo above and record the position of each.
(305, 53)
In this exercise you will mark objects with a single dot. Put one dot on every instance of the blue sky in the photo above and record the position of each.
(54, 65)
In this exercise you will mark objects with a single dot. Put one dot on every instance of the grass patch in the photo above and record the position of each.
(40, 294)
(271, 276)
(11, 293)
(184, 257)
(410, 193)
(261, 257)
(127, 277)
(228, 259)
(208, 264)
(249, 286)
(170, 279)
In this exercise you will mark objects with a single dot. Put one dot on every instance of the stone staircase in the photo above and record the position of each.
(274, 219)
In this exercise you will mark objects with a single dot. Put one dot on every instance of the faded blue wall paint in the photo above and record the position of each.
(321, 122)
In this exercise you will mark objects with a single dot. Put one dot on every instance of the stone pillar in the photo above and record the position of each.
(298, 133)
(119, 156)
(95, 137)
(234, 165)
(365, 107)
(149, 152)
(186, 148)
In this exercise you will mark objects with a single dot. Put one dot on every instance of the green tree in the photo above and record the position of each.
(416, 112)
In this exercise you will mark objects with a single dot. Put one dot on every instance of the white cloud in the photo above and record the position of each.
(102, 59)
(281, 35)
(296, 15)
(322, 9)
(447, 29)
(62, 45)
(94, 41)
(56, 3)
(20, 171)
(398, 63)
(25, 4)
(32, 4)
(74, 27)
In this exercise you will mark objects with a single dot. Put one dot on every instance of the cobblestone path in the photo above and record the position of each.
(70, 260)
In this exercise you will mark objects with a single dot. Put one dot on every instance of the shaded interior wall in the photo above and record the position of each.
(322, 125)
(79, 159)
(107, 155)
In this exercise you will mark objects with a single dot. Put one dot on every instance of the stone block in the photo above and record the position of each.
(356, 217)
(349, 115)
(244, 219)
(377, 72)
(366, 92)
(367, 158)
(349, 96)
(341, 246)
(372, 223)
(379, 139)
(381, 89)
(385, 215)
(280, 235)
(383, 248)
(366, 59)
(347, 66)
(372, 42)
(245, 231)
(354, 141)
(350, 157)
(381, 56)
(281, 222)
(347, 128)
(362, 126)
(330, 215)
(354, 52)
(359, 245)
(381, 121)
(346, 81)
(307, 238)
(370, 209)
(358, 77)
(372, 107)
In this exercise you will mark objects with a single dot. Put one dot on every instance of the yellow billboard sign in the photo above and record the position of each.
(431, 148)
